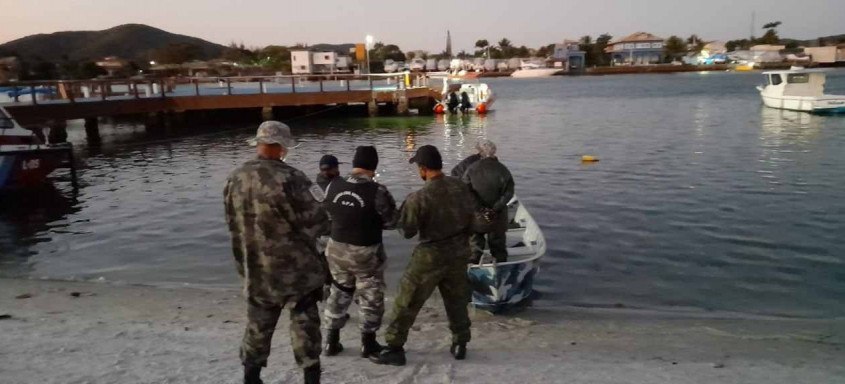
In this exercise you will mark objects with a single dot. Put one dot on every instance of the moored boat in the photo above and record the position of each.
(800, 90)
(25, 160)
(531, 70)
(479, 95)
(496, 286)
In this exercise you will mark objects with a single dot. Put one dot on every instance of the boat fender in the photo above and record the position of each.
(589, 159)
(439, 109)
(481, 108)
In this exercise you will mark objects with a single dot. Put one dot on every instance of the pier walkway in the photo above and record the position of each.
(53, 102)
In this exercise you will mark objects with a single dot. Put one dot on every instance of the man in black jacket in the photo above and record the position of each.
(492, 185)
(360, 209)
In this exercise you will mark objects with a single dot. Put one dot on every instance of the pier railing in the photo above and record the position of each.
(81, 91)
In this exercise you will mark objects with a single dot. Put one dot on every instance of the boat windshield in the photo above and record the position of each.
(6, 121)
(775, 79)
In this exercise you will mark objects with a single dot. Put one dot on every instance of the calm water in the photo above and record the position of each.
(702, 200)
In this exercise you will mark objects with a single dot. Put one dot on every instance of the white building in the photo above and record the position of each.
(301, 63)
(826, 55)
(309, 62)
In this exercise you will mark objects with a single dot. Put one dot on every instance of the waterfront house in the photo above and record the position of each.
(640, 48)
(304, 62)
(827, 56)
(114, 66)
(569, 56)
(9, 69)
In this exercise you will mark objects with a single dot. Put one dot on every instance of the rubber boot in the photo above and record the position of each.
(390, 356)
(369, 346)
(333, 345)
(252, 374)
(459, 350)
(312, 374)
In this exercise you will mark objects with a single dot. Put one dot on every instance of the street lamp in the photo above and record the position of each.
(369, 40)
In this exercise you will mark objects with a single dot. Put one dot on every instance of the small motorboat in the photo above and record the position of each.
(463, 95)
(800, 90)
(496, 286)
(531, 70)
(25, 160)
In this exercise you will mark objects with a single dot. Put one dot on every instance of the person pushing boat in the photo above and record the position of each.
(441, 214)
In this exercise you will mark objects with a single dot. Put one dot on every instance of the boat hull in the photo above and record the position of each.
(829, 105)
(497, 286)
(535, 73)
(29, 167)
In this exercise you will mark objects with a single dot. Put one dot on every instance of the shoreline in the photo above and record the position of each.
(75, 332)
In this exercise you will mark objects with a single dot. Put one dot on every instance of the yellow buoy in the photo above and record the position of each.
(589, 159)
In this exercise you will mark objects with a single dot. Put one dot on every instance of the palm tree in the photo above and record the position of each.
(506, 48)
(482, 44)
(585, 40)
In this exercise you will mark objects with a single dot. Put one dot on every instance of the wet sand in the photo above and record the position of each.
(75, 332)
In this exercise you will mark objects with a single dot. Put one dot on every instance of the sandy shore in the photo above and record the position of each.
(70, 332)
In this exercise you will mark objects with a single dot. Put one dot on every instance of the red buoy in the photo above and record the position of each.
(481, 108)
(439, 109)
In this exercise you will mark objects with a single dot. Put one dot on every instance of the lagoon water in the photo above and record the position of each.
(703, 200)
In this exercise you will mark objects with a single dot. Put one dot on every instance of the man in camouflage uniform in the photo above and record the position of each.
(442, 214)
(274, 217)
(492, 186)
(360, 209)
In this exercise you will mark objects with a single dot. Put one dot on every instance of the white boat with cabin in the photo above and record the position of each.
(800, 90)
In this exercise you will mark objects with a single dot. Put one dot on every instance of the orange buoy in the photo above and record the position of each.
(439, 109)
(481, 108)
(589, 159)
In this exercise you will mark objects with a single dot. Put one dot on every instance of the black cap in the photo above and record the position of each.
(366, 157)
(328, 162)
(429, 157)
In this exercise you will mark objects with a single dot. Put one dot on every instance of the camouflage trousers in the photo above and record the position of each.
(305, 337)
(495, 240)
(356, 271)
(441, 267)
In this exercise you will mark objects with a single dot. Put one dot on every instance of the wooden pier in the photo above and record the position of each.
(52, 103)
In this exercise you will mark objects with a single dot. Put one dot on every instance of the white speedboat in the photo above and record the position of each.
(496, 286)
(800, 90)
(530, 70)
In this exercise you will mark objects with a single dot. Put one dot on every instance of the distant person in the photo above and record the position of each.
(441, 213)
(465, 104)
(274, 216)
(453, 102)
(360, 209)
(329, 170)
(492, 185)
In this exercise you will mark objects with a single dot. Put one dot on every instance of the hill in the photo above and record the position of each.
(129, 41)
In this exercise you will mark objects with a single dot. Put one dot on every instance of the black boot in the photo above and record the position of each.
(333, 345)
(252, 374)
(312, 374)
(369, 346)
(459, 350)
(390, 356)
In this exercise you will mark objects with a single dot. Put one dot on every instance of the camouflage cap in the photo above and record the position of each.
(486, 148)
(273, 132)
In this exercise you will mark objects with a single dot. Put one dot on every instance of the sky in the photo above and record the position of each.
(422, 24)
